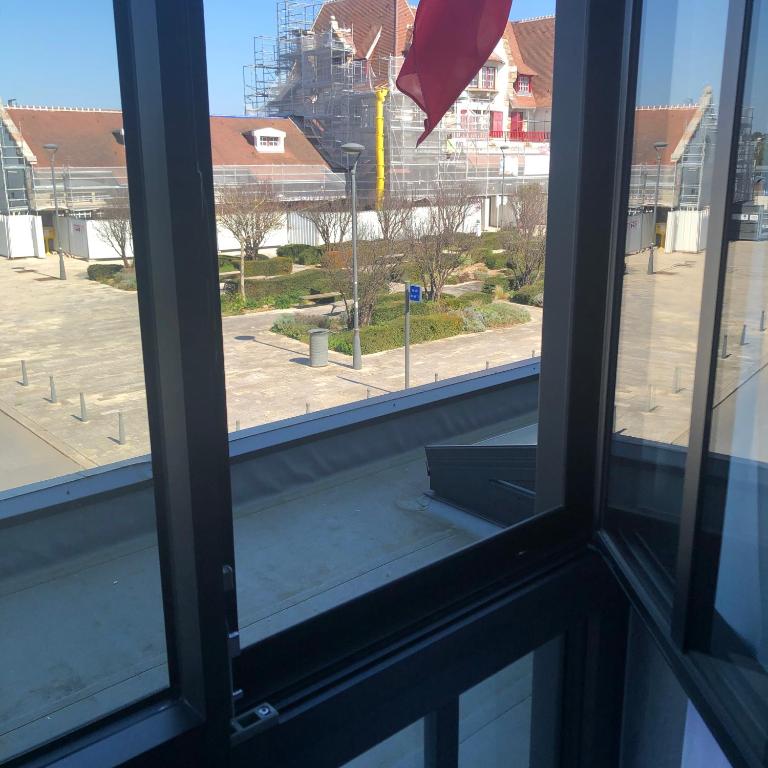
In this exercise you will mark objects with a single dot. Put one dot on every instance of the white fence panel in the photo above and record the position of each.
(21, 237)
(687, 231)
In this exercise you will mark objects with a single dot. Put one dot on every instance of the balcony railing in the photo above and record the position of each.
(531, 136)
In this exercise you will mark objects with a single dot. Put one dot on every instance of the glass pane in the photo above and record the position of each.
(679, 70)
(462, 218)
(495, 719)
(80, 598)
(737, 468)
(661, 728)
(403, 750)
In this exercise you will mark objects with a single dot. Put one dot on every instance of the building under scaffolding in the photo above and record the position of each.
(338, 89)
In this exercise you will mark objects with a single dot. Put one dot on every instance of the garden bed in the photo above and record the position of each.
(115, 275)
(451, 316)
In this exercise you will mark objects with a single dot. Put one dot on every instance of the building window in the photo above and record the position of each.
(523, 84)
(269, 141)
(485, 78)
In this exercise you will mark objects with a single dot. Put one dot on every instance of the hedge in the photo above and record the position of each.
(114, 275)
(496, 260)
(308, 281)
(102, 272)
(300, 253)
(280, 265)
(530, 294)
(378, 338)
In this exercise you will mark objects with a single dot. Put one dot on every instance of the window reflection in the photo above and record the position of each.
(669, 195)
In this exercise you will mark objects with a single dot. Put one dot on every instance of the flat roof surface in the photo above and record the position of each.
(98, 638)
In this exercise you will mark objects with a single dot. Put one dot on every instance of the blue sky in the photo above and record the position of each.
(64, 52)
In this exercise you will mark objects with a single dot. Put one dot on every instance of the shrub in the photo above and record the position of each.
(495, 260)
(530, 294)
(287, 299)
(125, 281)
(378, 338)
(226, 266)
(280, 265)
(502, 315)
(472, 320)
(491, 283)
(300, 253)
(470, 298)
(103, 272)
(308, 281)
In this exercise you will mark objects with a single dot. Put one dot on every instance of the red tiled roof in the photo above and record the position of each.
(536, 42)
(669, 124)
(368, 19)
(86, 139)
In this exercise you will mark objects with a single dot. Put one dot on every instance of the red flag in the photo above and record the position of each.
(452, 39)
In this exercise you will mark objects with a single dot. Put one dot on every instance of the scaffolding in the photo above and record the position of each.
(14, 192)
(310, 73)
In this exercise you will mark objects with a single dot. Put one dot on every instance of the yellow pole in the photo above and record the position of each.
(381, 95)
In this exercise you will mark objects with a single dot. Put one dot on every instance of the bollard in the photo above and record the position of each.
(24, 377)
(368, 393)
(62, 268)
(307, 411)
(533, 353)
(120, 428)
(762, 321)
(676, 380)
(237, 425)
(83, 412)
(487, 365)
(435, 375)
(724, 352)
(743, 339)
(53, 398)
(650, 404)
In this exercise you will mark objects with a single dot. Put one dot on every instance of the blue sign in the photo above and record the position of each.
(415, 294)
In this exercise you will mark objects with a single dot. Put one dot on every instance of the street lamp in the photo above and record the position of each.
(658, 146)
(51, 150)
(353, 152)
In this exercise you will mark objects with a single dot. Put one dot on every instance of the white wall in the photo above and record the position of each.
(81, 238)
(280, 236)
(687, 231)
(21, 237)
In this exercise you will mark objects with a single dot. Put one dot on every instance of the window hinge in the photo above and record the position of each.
(233, 633)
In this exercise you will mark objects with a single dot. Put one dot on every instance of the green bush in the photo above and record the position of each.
(287, 299)
(503, 315)
(496, 260)
(261, 292)
(490, 284)
(378, 338)
(470, 298)
(125, 281)
(530, 294)
(300, 253)
(103, 272)
(280, 265)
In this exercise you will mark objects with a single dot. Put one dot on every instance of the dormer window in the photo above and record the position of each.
(523, 84)
(485, 79)
(267, 140)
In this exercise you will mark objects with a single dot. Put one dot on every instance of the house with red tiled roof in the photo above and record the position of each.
(89, 160)
(336, 76)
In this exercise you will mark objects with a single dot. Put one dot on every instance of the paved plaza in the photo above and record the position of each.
(86, 335)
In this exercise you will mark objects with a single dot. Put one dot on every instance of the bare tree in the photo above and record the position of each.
(524, 239)
(250, 212)
(113, 225)
(394, 216)
(437, 244)
(332, 220)
(374, 266)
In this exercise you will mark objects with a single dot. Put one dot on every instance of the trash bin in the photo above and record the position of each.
(318, 347)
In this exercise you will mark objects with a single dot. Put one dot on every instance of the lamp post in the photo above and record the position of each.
(353, 152)
(51, 149)
(658, 146)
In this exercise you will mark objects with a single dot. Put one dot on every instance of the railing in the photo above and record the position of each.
(531, 136)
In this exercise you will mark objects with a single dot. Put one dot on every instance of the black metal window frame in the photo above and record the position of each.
(686, 632)
(162, 62)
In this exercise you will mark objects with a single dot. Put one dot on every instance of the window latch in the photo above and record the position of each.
(233, 633)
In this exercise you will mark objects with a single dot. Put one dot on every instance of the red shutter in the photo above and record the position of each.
(497, 125)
